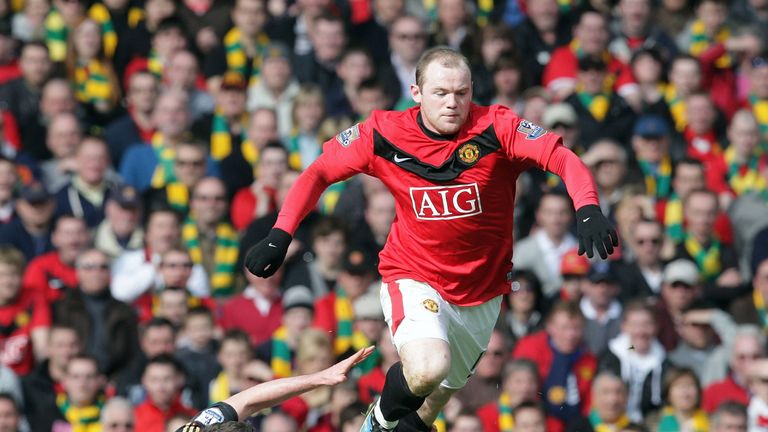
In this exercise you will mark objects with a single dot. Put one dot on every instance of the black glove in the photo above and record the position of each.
(593, 228)
(220, 412)
(265, 258)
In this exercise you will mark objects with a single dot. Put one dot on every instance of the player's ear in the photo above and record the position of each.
(416, 93)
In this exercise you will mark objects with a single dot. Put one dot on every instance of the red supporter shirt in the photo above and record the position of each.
(49, 277)
(325, 314)
(564, 64)
(17, 321)
(723, 391)
(370, 385)
(489, 417)
(150, 418)
(454, 195)
(241, 313)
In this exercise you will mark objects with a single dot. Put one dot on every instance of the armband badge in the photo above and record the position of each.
(210, 416)
(530, 130)
(346, 137)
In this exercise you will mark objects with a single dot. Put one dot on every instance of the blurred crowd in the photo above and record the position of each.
(145, 146)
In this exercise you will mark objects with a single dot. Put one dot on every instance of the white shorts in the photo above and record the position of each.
(414, 310)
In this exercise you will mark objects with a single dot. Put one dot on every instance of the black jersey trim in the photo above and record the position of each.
(486, 143)
(432, 135)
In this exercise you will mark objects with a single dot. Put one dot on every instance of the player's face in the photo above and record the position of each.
(445, 97)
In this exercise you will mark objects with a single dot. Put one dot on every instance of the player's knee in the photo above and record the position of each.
(426, 371)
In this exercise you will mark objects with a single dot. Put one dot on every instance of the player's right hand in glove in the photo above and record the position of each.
(594, 230)
(265, 258)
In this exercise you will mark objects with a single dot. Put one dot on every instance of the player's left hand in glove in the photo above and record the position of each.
(594, 230)
(265, 258)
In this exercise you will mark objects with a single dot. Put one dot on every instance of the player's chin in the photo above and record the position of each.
(450, 125)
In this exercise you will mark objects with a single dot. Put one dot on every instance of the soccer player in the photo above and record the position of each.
(451, 166)
(270, 393)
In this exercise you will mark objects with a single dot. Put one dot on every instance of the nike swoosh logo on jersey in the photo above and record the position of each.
(398, 159)
(272, 245)
(587, 219)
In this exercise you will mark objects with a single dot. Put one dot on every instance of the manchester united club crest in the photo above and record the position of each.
(430, 305)
(469, 153)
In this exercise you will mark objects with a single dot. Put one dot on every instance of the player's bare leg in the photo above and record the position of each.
(423, 365)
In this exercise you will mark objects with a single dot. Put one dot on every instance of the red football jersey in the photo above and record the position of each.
(454, 195)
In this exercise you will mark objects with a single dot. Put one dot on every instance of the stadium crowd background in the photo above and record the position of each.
(145, 146)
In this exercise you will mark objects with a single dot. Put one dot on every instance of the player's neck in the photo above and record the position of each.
(430, 130)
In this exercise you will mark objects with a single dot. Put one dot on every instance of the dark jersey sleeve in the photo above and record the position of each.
(348, 153)
(536, 147)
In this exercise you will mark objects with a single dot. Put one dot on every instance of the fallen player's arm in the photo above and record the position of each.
(268, 394)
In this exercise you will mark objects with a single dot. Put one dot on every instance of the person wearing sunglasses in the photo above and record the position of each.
(107, 326)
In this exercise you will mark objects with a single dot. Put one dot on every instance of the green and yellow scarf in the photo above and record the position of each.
(281, 354)
(342, 308)
(237, 58)
(757, 297)
(744, 177)
(225, 255)
(669, 422)
(100, 13)
(219, 388)
(439, 423)
(676, 107)
(155, 64)
(506, 421)
(165, 158)
(221, 138)
(82, 419)
(658, 177)
(56, 33)
(700, 42)
(177, 195)
(760, 110)
(92, 83)
(708, 261)
(600, 426)
(294, 151)
(673, 218)
(596, 104)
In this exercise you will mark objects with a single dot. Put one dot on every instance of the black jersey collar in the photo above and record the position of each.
(433, 135)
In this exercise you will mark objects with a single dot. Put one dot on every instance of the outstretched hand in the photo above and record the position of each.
(595, 232)
(338, 373)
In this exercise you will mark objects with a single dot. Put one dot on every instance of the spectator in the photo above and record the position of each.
(328, 39)
(137, 124)
(730, 416)
(225, 128)
(235, 352)
(258, 199)
(156, 337)
(198, 355)
(758, 387)
(121, 230)
(745, 347)
(277, 88)
(117, 415)
(41, 383)
(637, 29)
(643, 277)
(238, 168)
(183, 73)
(64, 135)
(688, 176)
(62, 18)
(702, 137)
(354, 68)
(321, 271)
(51, 274)
(279, 350)
(207, 20)
(407, 41)
(529, 417)
(370, 385)
(542, 31)
(258, 310)
(138, 41)
(30, 231)
(168, 38)
(608, 161)
(10, 413)
(698, 340)
(685, 78)
(304, 144)
(163, 380)
(277, 421)
(453, 26)
(680, 287)
(520, 384)
(601, 307)
(565, 367)
(28, 23)
(107, 326)
(80, 402)
(211, 240)
(115, 18)
(682, 398)
(609, 402)
(350, 419)
(542, 251)
(136, 272)
(758, 92)
(637, 357)
(188, 169)
(574, 268)
(366, 328)
(507, 81)
(85, 195)
(374, 31)
(648, 68)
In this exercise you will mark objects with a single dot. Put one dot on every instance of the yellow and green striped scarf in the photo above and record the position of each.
(92, 83)
(221, 139)
(294, 151)
(708, 261)
(225, 256)
(760, 110)
(155, 65)
(237, 58)
(658, 177)
(676, 106)
(596, 104)
(359, 341)
(600, 426)
(342, 308)
(281, 354)
(669, 422)
(56, 33)
(673, 218)
(165, 157)
(439, 423)
(99, 13)
(82, 419)
(220, 388)
(177, 195)
(744, 178)
(700, 42)
(506, 421)
(757, 297)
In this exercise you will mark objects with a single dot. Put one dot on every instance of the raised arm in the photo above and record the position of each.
(348, 153)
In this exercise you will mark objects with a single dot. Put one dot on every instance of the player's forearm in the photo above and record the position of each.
(302, 198)
(271, 393)
(576, 176)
